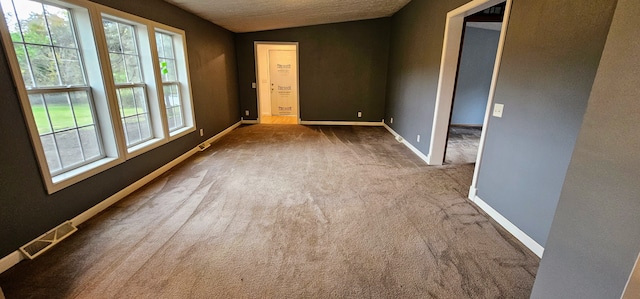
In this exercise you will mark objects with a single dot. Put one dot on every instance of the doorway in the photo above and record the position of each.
(447, 78)
(277, 82)
(479, 45)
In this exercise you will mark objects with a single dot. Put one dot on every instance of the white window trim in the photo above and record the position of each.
(105, 99)
(182, 69)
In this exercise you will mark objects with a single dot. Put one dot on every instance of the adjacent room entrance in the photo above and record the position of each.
(480, 36)
(454, 29)
(277, 86)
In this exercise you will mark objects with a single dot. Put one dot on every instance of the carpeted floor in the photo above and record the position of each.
(288, 211)
(462, 145)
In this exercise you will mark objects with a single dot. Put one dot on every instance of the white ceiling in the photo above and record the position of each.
(257, 15)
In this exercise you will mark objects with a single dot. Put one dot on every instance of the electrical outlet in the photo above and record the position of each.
(418, 139)
(246, 112)
(359, 114)
(253, 84)
(391, 121)
(201, 132)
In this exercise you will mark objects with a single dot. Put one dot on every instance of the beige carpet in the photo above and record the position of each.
(462, 145)
(288, 211)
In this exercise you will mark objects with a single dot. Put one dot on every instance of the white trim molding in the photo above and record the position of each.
(510, 227)
(249, 121)
(15, 257)
(407, 144)
(342, 123)
(449, 68)
(10, 260)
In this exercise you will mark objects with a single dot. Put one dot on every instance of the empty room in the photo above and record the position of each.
(303, 149)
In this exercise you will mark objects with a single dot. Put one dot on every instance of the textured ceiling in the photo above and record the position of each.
(258, 15)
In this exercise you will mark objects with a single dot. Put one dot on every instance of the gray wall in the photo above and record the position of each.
(26, 211)
(474, 76)
(416, 48)
(595, 236)
(343, 69)
(549, 62)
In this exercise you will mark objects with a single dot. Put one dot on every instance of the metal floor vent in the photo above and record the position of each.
(38, 246)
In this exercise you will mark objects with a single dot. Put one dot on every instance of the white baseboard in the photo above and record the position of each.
(223, 133)
(472, 192)
(342, 123)
(407, 144)
(250, 122)
(10, 260)
(510, 227)
(15, 257)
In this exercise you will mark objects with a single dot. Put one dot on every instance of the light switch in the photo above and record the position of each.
(497, 110)
(253, 84)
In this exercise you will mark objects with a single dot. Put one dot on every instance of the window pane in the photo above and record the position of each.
(60, 111)
(167, 44)
(70, 66)
(89, 140)
(118, 68)
(12, 20)
(113, 38)
(51, 152)
(134, 114)
(69, 147)
(127, 102)
(47, 52)
(32, 22)
(81, 108)
(25, 69)
(132, 130)
(173, 105)
(40, 114)
(141, 102)
(59, 22)
(145, 126)
(171, 95)
(159, 45)
(171, 120)
(168, 70)
(133, 69)
(123, 50)
(127, 38)
(176, 114)
(43, 64)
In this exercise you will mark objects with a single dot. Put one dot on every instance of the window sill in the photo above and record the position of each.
(181, 132)
(61, 181)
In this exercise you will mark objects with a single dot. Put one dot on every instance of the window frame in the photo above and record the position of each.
(184, 78)
(87, 23)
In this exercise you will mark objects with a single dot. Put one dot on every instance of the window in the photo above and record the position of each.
(94, 96)
(170, 83)
(46, 47)
(130, 87)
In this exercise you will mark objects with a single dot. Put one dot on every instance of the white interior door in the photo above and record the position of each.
(283, 82)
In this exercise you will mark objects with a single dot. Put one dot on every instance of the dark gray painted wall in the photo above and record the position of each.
(343, 69)
(414, 63)
(474, 76)
(26, 211)
(549, 62)
(595, 236)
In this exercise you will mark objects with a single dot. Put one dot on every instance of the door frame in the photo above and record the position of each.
(255, 51)
(448, 70)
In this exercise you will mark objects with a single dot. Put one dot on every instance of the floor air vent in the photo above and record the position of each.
(46, 241)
